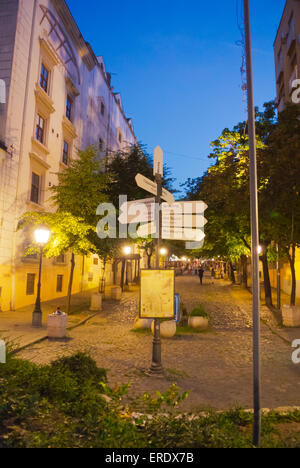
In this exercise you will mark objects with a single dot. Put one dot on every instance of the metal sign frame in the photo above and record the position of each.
(171, 316)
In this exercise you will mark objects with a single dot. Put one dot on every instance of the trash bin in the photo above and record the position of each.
(2, 352)
(96, 302)
(116, 293)
(57, 325)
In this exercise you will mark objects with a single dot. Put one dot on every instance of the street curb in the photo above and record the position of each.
(44, 338)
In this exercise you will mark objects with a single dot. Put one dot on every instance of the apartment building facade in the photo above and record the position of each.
(287, 69)
(57, 99)
(287, 52)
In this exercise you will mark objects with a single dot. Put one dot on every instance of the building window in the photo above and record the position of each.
(35, 188)
(59, 283)
(69, 108)
(40, 128)
(65, 157)
(30, 284)
(44, 79)
(102, 109)
(96, 261)
(120, 137)
(61, 258)
(101, 145)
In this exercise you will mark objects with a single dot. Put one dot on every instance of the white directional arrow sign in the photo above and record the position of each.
(138, 211)
(172, 233)
(151, 187)
(158, 161)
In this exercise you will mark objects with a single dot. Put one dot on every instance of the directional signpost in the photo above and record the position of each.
(174, 221)
(152, 187)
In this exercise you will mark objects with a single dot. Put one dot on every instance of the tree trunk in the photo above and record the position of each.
(244, 261)
(149, 261)
(293, 271)
(267, 282)
(122, 274)
(102, 278)
(70, 283)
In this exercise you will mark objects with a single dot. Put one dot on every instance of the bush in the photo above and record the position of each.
(82, 367)
(199, 312)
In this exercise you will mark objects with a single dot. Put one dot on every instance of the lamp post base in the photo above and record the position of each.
(156, 368)
(37, 319)
(156, 371)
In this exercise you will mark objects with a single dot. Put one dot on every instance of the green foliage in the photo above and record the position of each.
(170, 399)
(81, 186)
(70, 405)
(82, 366)
(67, 233)
(199, 311)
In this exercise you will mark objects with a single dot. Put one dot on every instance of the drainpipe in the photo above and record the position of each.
(13, 283)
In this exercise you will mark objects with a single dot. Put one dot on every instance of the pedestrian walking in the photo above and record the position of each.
(201, 273)
(213, 275)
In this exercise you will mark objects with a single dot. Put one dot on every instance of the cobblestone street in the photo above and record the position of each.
(216, 367)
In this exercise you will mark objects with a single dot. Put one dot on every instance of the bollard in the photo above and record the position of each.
(2, 352)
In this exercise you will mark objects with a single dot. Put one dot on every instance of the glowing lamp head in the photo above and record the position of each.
(259, 250)
(127, 250)
(163, 251)
(42, 235)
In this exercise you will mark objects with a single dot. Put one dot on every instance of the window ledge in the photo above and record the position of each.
(40, 147)
(69, 128)
(35, 206)
(63, 165)
(44, 101)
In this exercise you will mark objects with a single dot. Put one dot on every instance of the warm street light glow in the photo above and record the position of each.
(259, 249)
(42, 236)
(127, 250)
(163, 251)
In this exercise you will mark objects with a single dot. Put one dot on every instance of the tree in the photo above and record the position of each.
(123, 166)
(68, 233)
(81, 188)
(226, 190)
(281, 171)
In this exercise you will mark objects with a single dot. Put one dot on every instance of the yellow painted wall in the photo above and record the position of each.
(286, 276)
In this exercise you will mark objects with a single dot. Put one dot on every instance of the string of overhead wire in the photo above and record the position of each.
(185, 156)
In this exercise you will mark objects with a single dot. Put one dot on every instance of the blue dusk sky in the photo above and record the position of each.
(177, 66)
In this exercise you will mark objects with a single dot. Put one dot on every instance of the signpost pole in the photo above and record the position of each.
(255, 233)
(156, 368)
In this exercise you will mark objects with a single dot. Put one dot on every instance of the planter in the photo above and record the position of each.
(291, 316)
(142, 324)
(200, 323)
(116, 293)
(57, 326)
(167, 328)
(96, 302)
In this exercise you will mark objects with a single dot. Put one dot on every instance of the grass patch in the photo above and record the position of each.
(190, 330)
(178, 373)
(141, 331)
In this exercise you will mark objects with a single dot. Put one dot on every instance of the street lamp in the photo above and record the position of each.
(42, 236)
(163, 252)
(127, 251)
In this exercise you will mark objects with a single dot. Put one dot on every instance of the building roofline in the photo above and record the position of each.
(285, 7)
(86, 51)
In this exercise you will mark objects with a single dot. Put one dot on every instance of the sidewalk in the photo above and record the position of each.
(16, 328)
